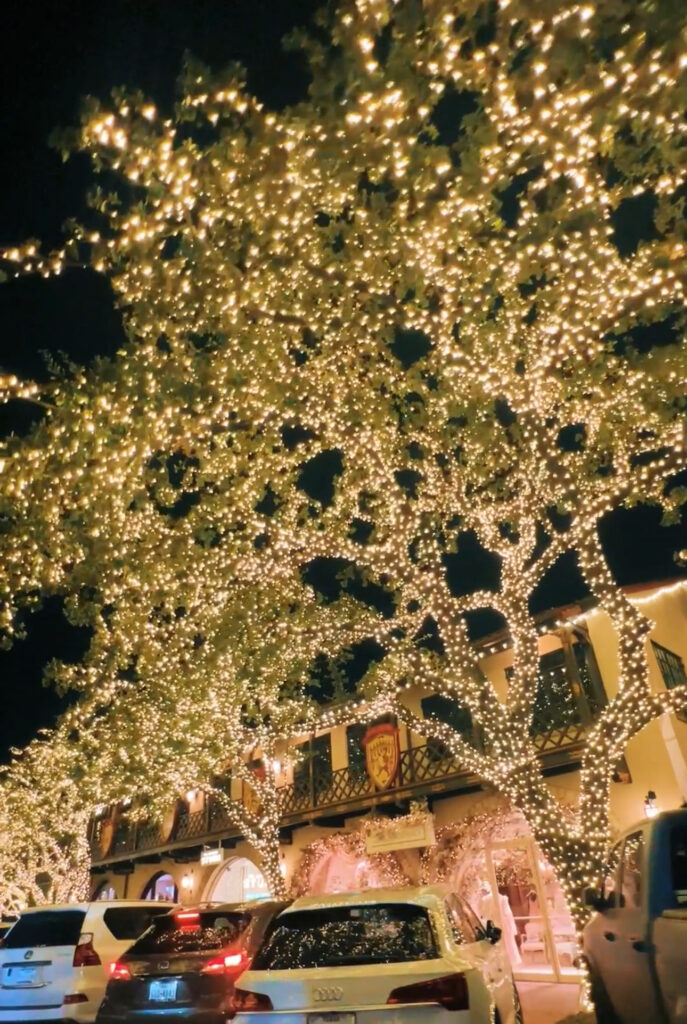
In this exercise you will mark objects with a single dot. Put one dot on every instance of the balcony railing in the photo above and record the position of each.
(569, 698)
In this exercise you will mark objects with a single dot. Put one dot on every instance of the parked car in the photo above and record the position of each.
(636, 943)
(54, 961)
(416, 955)
(185, 966)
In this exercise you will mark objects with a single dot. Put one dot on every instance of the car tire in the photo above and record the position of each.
(605, 1014)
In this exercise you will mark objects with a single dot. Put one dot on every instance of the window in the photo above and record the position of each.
(672, 670)
(314, 766)
(631, 871)
(45, 928)
(378, 933)
(608, 887)
(678, 863)
(356, 751)
(451, 713)
(465, 926)
(184, 932)
(161, 887)
(130, 922)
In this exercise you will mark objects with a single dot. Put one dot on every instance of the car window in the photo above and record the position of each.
(130, 922)
(631, 871)
(191, 932)
(465, 925)
(678, 863)
(608, 886)
(45, 928)
(335, 936)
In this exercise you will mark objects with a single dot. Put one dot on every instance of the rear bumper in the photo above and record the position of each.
(161, 1015)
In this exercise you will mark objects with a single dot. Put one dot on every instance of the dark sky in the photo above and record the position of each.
(52, 52)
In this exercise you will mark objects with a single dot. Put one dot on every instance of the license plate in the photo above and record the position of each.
(18, 977)
(164, 991)
(331, 1018)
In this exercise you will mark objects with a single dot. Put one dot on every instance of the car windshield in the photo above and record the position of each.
(45, 928)
(336, 936)
(191, 932)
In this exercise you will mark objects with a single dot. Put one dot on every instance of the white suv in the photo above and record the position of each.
(55, 960)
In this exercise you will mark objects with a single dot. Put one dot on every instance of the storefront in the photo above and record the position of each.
(237, 880)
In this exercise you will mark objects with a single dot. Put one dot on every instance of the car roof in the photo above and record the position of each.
(97, 903)
(424, 895)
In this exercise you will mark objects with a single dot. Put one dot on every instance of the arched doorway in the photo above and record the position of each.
(238, 880)
(161, 887)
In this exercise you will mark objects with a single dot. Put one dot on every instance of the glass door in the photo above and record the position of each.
(525, 900)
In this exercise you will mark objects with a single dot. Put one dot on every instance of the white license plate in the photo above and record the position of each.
(19, 976)
(331, 1018)
(164, 991)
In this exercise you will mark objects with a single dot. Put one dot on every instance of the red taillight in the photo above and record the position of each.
(119, 972)
(84, 954)
(229, 963)
(248, 1002)
(187, 917)
(451, 992)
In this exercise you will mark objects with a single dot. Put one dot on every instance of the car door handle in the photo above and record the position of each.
(610, 936)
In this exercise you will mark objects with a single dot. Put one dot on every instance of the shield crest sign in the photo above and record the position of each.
(381, 754)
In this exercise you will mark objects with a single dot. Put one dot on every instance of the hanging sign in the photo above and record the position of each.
(106, 835)
(211, 855)
(382, 754)
(168, 823)
(251, 800)
(405, 834)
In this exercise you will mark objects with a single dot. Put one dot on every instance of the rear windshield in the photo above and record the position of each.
(186, 933)
(45, 928)
(678, 863)
(383, 933)
(130, 922)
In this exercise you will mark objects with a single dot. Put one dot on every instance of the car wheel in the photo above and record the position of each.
(605, 1014)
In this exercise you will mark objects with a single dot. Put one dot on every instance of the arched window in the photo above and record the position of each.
(160, 887)
(104, 891)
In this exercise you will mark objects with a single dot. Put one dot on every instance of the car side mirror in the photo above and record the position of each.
(492, 932)
(593, 898)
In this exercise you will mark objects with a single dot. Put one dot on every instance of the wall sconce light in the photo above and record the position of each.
(187, 881)
(651, 808)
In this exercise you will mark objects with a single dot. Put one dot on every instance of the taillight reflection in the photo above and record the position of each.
(451, 992)
(248, 1002)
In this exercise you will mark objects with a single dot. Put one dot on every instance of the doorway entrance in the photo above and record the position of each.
(527, 903)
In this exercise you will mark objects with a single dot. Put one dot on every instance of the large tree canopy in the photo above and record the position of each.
(440, 303)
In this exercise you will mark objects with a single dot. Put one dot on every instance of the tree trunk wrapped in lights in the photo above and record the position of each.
(407, 316)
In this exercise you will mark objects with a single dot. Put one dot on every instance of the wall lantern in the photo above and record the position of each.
(651, 809)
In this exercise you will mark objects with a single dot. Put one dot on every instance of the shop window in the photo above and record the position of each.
(161, 887)
(105, 891)
(672, 670)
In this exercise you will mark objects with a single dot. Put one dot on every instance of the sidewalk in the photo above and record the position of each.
(548, 1003)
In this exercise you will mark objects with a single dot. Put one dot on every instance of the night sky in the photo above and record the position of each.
(53, 52)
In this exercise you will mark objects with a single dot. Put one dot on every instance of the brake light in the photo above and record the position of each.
(230, 962)
(119, 972)
(188, 920)
(248, 1002)
(84, 954)
(451, 992)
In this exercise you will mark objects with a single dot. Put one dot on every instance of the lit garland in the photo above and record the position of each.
(447, 314)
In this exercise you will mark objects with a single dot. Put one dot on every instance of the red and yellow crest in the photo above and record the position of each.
(382, 754)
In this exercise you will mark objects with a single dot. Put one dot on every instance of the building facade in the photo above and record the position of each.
(343, 829)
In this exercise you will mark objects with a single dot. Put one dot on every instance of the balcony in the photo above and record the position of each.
(569, 698)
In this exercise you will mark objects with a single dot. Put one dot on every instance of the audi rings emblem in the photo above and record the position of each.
(327, 993)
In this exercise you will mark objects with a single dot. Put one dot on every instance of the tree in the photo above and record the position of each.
(407, 315)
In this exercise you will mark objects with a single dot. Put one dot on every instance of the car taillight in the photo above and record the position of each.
(451, 992)
(119, 972)
(76, 997)
(187, 920)
(248, 1002)
(230, 962)
(84, 954)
